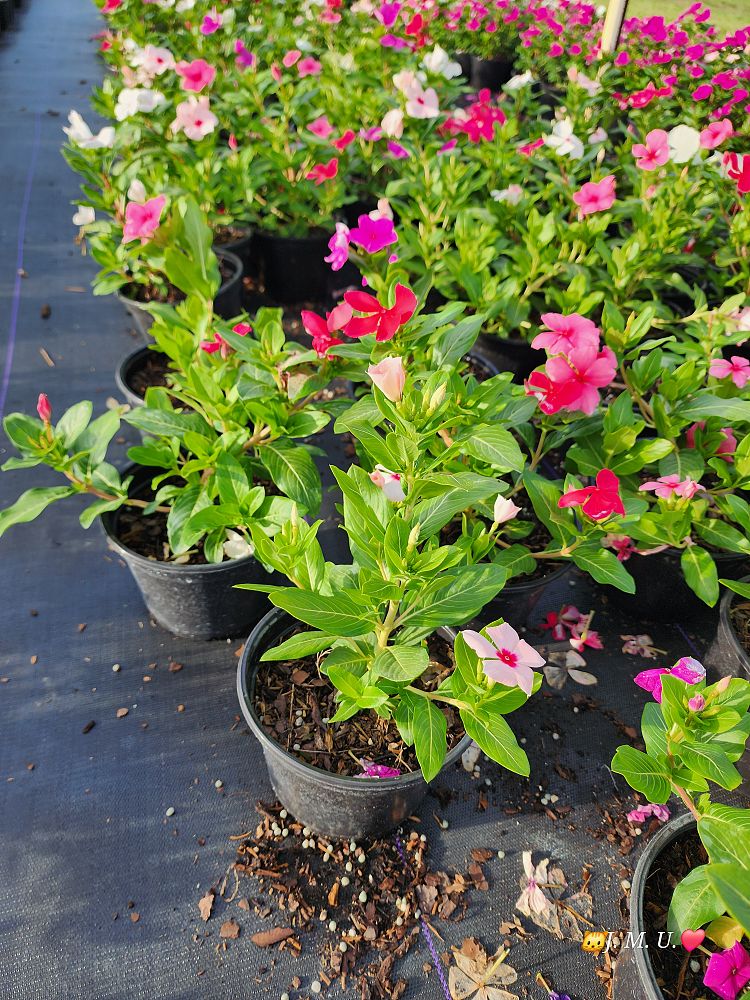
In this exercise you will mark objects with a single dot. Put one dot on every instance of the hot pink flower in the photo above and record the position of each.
(686, 669)
(655, 152)
(339, 247)
(142, 220)
(196, 74)
(728, 972)
(622, 545)
(211, 22)
(669, 486)
(697, 703)
(111, 5)
(596, 196)
(579, 375)
(220, 344)
(738, 169)
(738, 369)
(291, 58)
(43, 408)
(716, 133)
(195, 118)
(344, 140)
(506, 659)
(309, 67)
(321, 127)
(322, 330)
(641, 814)
(245, 57)
(388, 13)
(378, 319)
(529, 148)
(565, 333)
(370, 770)
(323, 172)
(389, 375)
(373, 235)
(597, 502)
(727, 446)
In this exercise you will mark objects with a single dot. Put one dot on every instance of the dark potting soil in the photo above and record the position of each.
(740, 617)
(477, 367)
(147, 535)
(288, 687)
(224, 235)
(151, 372)
(672, 965)
(172, 295)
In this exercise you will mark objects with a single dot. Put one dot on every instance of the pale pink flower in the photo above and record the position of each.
(596, 196)
(716, 133)
(506, 658)
(565, 333)
(291, 58)
(393, 123)
(669, 486)
(142, 220)
(654, 153)
(321, 127)
(738, 369)
(389, 375)
(156, 60)
(504, 510)
(423, 105)
(389, 482)
(196, 74)
(697, 703)
(532, 899)
(195, 118)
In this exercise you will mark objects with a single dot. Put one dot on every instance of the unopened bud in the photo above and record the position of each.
(722, 685)
(697, 703)
(436, 399)
(43, 408)
(413, 538)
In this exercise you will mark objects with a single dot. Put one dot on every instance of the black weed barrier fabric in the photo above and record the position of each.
(107, 723)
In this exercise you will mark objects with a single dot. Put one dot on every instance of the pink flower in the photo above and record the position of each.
(370, 770)
(423, 104)
(211, 22)
(697, 703)
(388, 13)
(196, 74)
(373, 235)
(716, 133)
(506, 659)
(245, 58)
(389, 482)
(309, 67)
(111, 5)
(322, 330)
(579, 375)
(195, 118)
(728, 972)
(291, 57)
(321, 127)
(738, 369)
(504, 510)
(655, 152)
(622, 545)
(219, 344)
(384, 322)
(43, 408)
(323, 172)
(339, 247)
(389, 375)
(397, 151)
(597, 502)
(344, 140)
(529, 148)
(580, 639)
(565, 333)
(686, 669)
(668, 486)
(737, 167)
(596, 196)
(641, 814)
(703, 92)
(142, 220)
(727, 446)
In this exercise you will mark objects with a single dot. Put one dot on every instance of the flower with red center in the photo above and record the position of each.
(598, 502)
(373, 235)
(545, 390)
(654, 153)
(506, 658)
(565, 333)
(322, 330)
(622, 545)
(738, 369)
(384, 322)
(596, 196)
(195, 118)
(323, 172)
(220, 344)
(142, 220)
(666, 487)
(579, 375)
(687, 669)
(716, 133)
(196, 74)
(309, 67)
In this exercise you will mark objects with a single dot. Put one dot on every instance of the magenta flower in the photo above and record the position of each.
(598, 502)
(641, 814)
(655, 152)
(339, 247)
(565, 333)
(291, 57)
(245, 58)
(388, 13)
(596, 196)
(389, 482)
(506, 659)
(322, 330)
(370, 770)
(321, 127)
(211, 22)
(142, 220)
(397, 151)
(579, 375)
(309, 67)
(43, 408)
(666, 487)
(323, 172)
(196, 74)
(373, 235)
(738, 369)
(716, 133)
(728, 972)
(686, 669)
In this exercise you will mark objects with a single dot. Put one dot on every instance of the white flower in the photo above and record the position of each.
(408, 82)
(512, 194)
(154, 60)
(563, 140)
(592, 87)
(84, 216)
(236, 546)
(505, 510)
(393, 123)
(424, 104)
(597, 136)
(82, 136)
(137, 191)
(519, 81)
(438, 61)
(133, 100)
(684, 143)
(383, 211)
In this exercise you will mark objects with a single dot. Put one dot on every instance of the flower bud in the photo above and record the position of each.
(389, 482)
(722, 685)
(411, 543)
(389, 376)
(43, 408)
(436, 399)
(697, 703)
(505, 510)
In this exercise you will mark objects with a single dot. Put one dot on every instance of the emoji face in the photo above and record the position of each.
(594, 941)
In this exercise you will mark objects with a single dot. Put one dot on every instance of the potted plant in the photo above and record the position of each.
(694, 734)
(730, 650)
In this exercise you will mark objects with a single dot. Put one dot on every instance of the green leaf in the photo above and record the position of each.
(461, 492)
(73, 422)
(700, 573)
(654, 730)
(165, 423)
(339, 615)
(430, 727)
(722, 535)
(493, 734)
(23, 431)
(743, 589)
(711, 762)
(732, 886)
(31, 504)
(495, 446)
(299, 645)
(725, 832)
(642, 773)
(544, 496)
(180, 533)
(458, 601)
(705, 404)
(231, 479)
(294, 472)
(604, 567)
(695, 902)
(96, 509)
(401, 664)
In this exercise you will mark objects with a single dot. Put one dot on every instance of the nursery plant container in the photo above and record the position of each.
(293, 267)
(726, 653)
(509, 354)
(195, 602)
(227, 304)
(241, 245)
(518, 599)
(661, 593)
(7, 14)
(130, 365)
(491, 74)
(330, 804)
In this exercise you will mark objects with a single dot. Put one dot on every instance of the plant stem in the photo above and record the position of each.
(434, 696)
(688, 801)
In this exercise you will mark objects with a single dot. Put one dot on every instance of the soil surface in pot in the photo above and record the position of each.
(740, 618)
(477, 367)
(225, 235)
(536, 541)
(288, 687)
(151, 372)
(672, 965)
(152, 293)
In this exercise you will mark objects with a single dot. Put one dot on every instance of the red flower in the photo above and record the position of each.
(321, 330)
(380, 320)
(324, 171)
(738, 169)
(345, 140)
(598, 502)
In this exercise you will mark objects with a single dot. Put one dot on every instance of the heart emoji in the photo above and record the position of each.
(692, 939)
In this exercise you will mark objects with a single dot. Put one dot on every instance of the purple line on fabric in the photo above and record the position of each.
(426, 930)
(16, 299)
(688, 640)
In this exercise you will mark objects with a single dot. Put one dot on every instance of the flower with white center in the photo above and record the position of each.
(131, 101)
(84, 216)
(438, 61)
(512, 195)
(684, 143)
(563, 140)
(519, 81)
(237, 546)
(79, 133)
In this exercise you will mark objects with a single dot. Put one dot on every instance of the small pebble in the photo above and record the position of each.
(315, 986)
(522, 740)
(170, 811)
(298, 713)
(444, 824)
(116, 667)
(488, 782)
(331, 925)
(349, 866)
(362, 896)
(285, 832)
(417, 914)
(283, 814)
(345, 881)
(343, 946)
(326, 856)
(306, 831)
(501, 855)
(218, 783)
(297, 746)
(298, 722)
(352, 846)
(423, 838)
(695, 965)
(555, 736)
(554, 798)
(625, 884)
(399, 921)
(361, 858)
(576, 709)
(323, 915)
(284, 996)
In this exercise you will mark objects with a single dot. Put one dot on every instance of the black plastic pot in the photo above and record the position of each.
(661, 593)
(195, 602)
(329, 804)
(293, 267)
(518, 599)
(124, 372)
(464, 60)
(512, 354)
(241, 247)
(491, 74)
(7, 14)
(726, 654)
